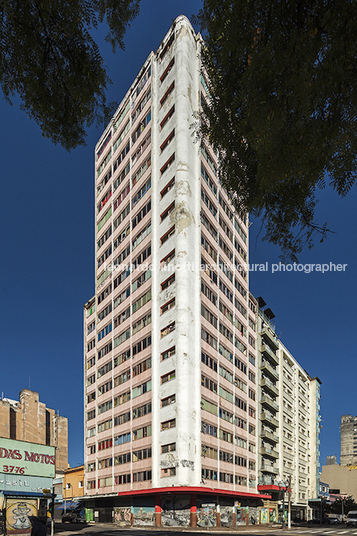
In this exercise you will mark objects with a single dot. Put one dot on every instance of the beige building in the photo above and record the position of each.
(341, 479)
(289, 424)
(348, 440)
(28, 419)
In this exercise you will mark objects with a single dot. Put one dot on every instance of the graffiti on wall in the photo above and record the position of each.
(18, 512)
(175, 511)
(122, 516)
(206, 515)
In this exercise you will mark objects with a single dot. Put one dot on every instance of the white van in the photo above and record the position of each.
(351, 518)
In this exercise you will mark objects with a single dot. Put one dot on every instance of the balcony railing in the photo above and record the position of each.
(268, 369)
(267, 401)
(268, 418)
(266, 350)
(267, 451)
(269, 336)
(269, 386)
(269, 435)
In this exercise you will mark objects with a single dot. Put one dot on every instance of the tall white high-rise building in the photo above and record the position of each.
(170, 371)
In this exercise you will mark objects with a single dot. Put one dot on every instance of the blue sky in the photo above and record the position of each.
(47, 268)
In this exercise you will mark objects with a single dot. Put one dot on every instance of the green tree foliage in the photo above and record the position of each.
(281, 113)
(50, 59)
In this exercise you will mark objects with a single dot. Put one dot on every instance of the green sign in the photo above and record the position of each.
(22, 458)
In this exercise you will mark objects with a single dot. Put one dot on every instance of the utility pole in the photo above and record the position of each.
(289, 502)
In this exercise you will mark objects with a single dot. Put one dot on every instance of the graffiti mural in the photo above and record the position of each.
(207, 515)
(144, 516)
(175, 511)
(18, 512)
(122, 516)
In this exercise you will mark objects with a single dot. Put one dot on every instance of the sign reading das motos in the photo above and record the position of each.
(23, 458)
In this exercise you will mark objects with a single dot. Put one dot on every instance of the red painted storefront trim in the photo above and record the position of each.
(188, 489)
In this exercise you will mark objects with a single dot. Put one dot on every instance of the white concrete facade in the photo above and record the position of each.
(170, 375)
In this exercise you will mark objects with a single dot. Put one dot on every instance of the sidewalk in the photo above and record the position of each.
(67, 529)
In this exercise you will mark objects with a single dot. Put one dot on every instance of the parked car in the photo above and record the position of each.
(73, 517)
(333, 520)
(351, 519)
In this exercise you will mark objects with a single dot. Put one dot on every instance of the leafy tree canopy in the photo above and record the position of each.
(49, 58)
(281, 113)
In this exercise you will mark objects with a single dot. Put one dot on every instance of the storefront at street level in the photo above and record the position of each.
(177, 507)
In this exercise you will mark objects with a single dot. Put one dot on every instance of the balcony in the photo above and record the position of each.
(269, 452)
(267, 481)
(269, 403)
(269, 386)
(269, 436)
(268, 352)
(288, 455)
(269, 370)
(268, 419)
(271, 338)
(268, 469)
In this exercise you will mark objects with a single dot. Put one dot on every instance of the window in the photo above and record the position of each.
(167, 141)
(167, 188)
(209, 294)
(167, 94)
(121, 297)
(142, 323)
(122, 459)
(167, 235)
(167, 212)
(140, 411)
(142, 389)
(167, 71)
(106, 425)
(141, 214)
(209, 316)
(167, 117)
(141, 476)
(106, 406)
(141, 454)
(167, 260)
(168, 401)
(168, 353)
(168, 377)
(106, 444)
(169, 305)
(122, 479)
(142, 432)
(168, 329)
(141, 367)
(122, 419)
(105, 331)
(141, 280)
(170, 447)
(140, 302)
(91, 362)
(120, 440)
(207, 360)
(166, 425)
(168, 282)
(167, 164)
(141, 345)
(169, 471)
(141, 192)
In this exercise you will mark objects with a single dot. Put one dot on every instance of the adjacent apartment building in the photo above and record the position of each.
(289, 423)
(28, 419)
(170, 369)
